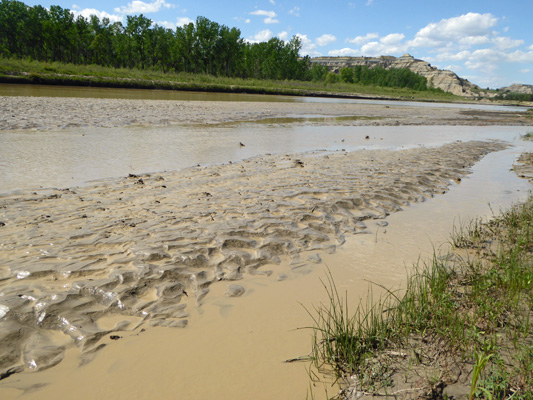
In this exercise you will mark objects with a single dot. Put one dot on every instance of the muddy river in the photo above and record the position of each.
(174, 262)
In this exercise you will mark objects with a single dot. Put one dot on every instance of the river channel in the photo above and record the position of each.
(234, 347)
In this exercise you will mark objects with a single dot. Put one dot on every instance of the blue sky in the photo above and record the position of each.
(489, 42)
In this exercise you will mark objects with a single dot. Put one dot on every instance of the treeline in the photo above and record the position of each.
(378, 76)
(203, 47)
(514, 96)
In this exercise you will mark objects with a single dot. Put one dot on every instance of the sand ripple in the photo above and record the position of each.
(77, 265)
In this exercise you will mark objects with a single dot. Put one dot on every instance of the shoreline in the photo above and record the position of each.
(114, 258)
(31, 113)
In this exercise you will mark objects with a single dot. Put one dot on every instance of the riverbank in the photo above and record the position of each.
(19, 112)
(95, 275)
(462, 328)
(35, 72)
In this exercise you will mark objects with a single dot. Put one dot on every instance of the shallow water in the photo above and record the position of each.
(111, 93)
(235, 347)
(71, 157)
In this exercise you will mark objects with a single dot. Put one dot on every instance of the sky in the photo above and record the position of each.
(488, 42)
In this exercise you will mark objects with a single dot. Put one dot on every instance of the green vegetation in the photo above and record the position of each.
(465, 319)
(53, 46)
(514, 96)
(27, 71)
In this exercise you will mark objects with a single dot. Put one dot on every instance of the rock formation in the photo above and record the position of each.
(518, 88)
(443, 79)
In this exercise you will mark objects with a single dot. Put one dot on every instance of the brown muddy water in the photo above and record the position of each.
(229, 347)
(234, 348)
(71, 157)
(149, 94)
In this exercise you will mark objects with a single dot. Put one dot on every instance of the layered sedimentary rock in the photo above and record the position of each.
(443, 79)
(518, 88)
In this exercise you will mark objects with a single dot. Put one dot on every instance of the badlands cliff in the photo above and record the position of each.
(443, 79)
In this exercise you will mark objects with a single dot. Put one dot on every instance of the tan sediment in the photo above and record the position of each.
(18, 112)
(137, 256)
(79, 266)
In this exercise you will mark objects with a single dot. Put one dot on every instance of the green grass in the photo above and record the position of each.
(26, 71)
(465, 319)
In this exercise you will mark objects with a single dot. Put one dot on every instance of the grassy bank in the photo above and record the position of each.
(24, 71)
(462, 329)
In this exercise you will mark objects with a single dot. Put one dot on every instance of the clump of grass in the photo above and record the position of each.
(528, 136)
(344, 341)
(465, 315)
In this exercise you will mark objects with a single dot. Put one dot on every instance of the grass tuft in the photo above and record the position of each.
(464, 319)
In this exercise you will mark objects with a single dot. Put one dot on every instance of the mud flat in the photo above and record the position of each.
(82, 268)
(78, 265)
(19, 112)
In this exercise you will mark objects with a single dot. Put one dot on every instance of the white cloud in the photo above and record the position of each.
(359, 40)
(272, 2)
(506, 43)
(520, 56)
(392, 39)
(184, 21)
(284, 35)
(308, 47)
(471, 25)
(525, 70)
(530, 47)
(166, 24)
(87, 12)
(346, 52)
(485, 59)
(138, 7)
(295, 11)
(460, 56)
(376, 49)
(247, 21)
(270, 16)
(325, 39)
(262, 36)
(369, 2)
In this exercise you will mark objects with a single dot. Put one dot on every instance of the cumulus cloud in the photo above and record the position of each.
(270, 16)
(506, 43)
(346, 52)
(262, 36)
(184, 21)
(359, 40)
(525, 70)
(471, 25)
(284, 35)
(140, 7)
(87, 12)
(376, 49)
(308, 47)
(325, 39)
(392, 39)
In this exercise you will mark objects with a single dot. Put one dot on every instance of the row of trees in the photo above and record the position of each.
(205, 46)
(515, 96)
(55, 34)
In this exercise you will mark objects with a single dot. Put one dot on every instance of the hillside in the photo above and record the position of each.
(443, 79)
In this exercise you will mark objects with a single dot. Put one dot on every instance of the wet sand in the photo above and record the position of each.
(56, 113)
(82, 268)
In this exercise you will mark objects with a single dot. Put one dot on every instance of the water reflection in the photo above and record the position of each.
(153, 94)
(71, 157)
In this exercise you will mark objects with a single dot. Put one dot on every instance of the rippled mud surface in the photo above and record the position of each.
(122, 255)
